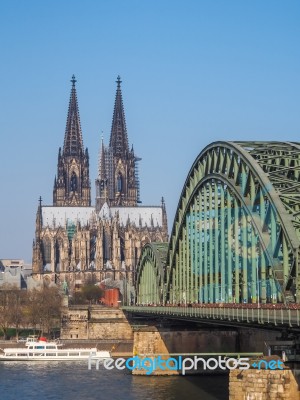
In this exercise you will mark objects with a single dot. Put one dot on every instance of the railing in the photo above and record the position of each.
(261, 316)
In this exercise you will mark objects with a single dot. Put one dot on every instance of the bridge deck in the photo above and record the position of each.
(259, 316)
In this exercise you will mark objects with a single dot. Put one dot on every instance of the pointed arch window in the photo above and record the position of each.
(122, 249)
(119, 182)
(58, 246)
(107, 246)
(46, 251)
(73, 182)
(93, 242)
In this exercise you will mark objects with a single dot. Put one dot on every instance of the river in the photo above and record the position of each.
(73, 381)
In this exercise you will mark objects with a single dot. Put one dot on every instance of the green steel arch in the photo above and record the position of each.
(150, 274)
(236, 231)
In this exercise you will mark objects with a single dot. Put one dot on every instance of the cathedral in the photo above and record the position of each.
(76, 242)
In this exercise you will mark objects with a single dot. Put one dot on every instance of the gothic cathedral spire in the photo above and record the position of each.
(117, 182)
(73, 144)
(118, 137)
(72, 185)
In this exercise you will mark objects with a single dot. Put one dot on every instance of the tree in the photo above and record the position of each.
(35, 308)
(45, 308)
(32, 314)
(11, 309)
(91, 293)
(17, 300)
(4, 312)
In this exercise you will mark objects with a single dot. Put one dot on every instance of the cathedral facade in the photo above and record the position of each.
(76, 242)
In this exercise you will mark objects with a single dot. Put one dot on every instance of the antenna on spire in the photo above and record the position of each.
(73, 80)
(118, 81)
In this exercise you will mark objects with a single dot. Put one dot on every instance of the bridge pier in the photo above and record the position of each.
(263, 384)
(149, 343)
(169, 342)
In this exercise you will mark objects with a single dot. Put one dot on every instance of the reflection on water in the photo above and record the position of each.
(72, 381)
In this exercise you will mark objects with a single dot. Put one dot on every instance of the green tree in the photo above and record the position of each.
(91, 293)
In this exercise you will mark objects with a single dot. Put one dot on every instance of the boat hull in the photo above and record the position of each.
(42, 358)
(62, 355)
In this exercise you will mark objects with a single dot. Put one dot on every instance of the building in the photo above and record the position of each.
(14, 272)
(76, 242)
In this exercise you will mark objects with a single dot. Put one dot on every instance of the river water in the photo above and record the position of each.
(73, 381)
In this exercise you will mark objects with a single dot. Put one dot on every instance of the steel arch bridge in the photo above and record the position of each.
(236, 233)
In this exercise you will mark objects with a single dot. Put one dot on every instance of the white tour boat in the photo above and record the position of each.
(41, 350)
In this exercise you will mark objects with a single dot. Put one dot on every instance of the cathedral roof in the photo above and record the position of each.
(59, 216)
(140, 216)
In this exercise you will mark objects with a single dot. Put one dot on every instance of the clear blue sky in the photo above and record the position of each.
(193, 72)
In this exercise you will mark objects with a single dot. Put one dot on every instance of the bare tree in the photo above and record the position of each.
(4, 312)
(34, 308)
(48, 308)
(17, 299)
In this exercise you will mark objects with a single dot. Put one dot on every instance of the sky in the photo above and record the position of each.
(193, 72)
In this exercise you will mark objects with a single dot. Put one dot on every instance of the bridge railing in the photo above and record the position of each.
(261, 316)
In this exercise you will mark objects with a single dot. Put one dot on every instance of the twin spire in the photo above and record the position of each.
(73, 143)
(117, 180)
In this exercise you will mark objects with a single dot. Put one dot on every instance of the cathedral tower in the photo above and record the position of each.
(76, 243)
(72, 184)
(117, 182)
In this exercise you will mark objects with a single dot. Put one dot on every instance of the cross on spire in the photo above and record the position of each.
(118, 81)
(73, 80)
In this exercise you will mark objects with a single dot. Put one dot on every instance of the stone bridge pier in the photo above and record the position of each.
(151, 342)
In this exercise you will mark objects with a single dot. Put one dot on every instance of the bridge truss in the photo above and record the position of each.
(236, 233)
